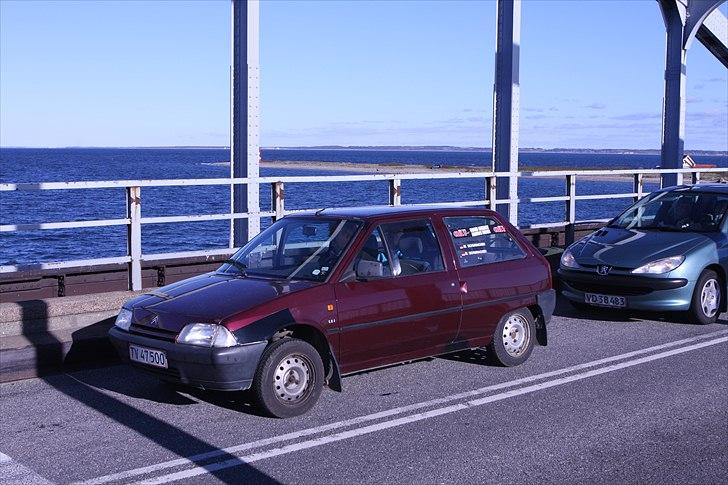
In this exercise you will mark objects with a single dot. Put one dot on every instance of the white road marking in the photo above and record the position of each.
(212, 467)
(13, 473)
(192, 460)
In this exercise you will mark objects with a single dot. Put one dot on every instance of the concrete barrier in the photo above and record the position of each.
(45, 336)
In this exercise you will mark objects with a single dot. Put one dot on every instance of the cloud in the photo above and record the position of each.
(636, 116)
(596, 106)
(693, 100)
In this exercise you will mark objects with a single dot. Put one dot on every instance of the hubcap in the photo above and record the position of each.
(710, 298)
(516, 335)
(292, 378)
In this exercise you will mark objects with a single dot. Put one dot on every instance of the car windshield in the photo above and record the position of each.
(680, 211)
(294, 248)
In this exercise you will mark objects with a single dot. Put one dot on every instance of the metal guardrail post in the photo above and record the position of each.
(695, 177)
(134, 236)
(278, 199)
(491, 191)
(395, 192)
(570, 215)
(638, 187)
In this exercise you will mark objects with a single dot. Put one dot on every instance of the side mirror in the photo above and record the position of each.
(369, 269)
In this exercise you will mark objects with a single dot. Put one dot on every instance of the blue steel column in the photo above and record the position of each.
(673, 104)
(506, 104)
(244, 114)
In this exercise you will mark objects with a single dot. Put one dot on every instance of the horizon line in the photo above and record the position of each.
(352, 147)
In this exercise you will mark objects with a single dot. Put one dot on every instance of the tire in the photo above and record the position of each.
(707, 298)
(513, 339)
(298, 364)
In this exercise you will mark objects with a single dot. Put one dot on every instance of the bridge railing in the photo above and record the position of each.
(134, 219)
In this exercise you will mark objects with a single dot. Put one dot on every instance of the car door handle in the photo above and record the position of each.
(463, 287)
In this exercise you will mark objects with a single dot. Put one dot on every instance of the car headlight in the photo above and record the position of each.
(568, 260)
(206, 335)
(660, 266)
(123, 320)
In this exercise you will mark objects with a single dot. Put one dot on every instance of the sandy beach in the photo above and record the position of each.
(401, 168)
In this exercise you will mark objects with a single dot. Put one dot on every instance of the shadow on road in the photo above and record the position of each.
(565, 309)
(474, 356)
(177, 441)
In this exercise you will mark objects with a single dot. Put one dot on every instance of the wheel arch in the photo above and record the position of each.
(282, 324)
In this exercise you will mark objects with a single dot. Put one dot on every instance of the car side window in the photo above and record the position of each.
(413, 246)
(481, 240)
(372, 260)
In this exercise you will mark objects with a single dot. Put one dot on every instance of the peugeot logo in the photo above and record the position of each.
(603, 269)
(154, 322)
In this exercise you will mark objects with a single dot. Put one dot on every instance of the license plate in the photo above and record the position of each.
(157, 358)
(605, 300)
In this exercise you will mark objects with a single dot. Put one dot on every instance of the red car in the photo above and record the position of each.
(321, 294)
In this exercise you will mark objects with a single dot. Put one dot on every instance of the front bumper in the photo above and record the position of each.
(224, 369)
(641, 292)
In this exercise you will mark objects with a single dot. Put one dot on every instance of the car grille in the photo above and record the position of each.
(157, 333)
(610, 289)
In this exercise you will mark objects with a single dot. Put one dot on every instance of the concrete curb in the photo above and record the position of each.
(41, 337)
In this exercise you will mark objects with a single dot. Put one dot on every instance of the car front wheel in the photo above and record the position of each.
(289, 378)
(513, 339)
(707, 298)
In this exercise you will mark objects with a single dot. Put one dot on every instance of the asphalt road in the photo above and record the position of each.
(612, 399)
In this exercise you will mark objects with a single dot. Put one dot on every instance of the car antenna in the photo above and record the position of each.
(318, 212)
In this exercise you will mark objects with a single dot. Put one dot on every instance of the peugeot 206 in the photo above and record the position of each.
(321, 294)
(668, 252)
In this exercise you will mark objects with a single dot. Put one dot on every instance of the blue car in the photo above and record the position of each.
(668, 252)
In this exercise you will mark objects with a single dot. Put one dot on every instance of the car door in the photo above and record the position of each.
(495, 274)
(403, 304)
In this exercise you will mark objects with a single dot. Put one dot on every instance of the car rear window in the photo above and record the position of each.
(481, 240)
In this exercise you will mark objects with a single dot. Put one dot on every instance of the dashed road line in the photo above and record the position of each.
(13, 473)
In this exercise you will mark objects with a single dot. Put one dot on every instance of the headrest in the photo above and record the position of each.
(411, 244)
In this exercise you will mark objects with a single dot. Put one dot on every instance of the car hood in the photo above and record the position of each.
(632, 248)
(207, 298)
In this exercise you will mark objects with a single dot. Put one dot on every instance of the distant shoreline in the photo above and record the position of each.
(401, 168)
(582, 151)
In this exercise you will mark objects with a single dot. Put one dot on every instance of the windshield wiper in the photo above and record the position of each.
(241, 266)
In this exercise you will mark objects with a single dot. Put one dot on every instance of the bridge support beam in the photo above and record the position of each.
(244, 122)
(506, 105)
(673, 103)
(684, 20)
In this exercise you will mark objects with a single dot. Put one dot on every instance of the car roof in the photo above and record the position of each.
(719, 188)
(376, 211)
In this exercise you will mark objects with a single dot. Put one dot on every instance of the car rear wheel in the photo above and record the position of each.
(289, 378)
(707, 298)
(513, 339)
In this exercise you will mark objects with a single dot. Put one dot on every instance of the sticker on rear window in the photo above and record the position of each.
(472, 231)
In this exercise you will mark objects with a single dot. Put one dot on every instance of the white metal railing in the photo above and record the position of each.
(134, 219)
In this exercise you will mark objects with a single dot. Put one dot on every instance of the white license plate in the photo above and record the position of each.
(605, 300)
(157, 358)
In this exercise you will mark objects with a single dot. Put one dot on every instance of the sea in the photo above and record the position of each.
(31, 165)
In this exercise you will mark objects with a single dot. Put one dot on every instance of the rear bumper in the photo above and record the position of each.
(224, 369)
(547, 302)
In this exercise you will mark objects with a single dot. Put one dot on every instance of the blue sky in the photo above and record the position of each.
(346, 73)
